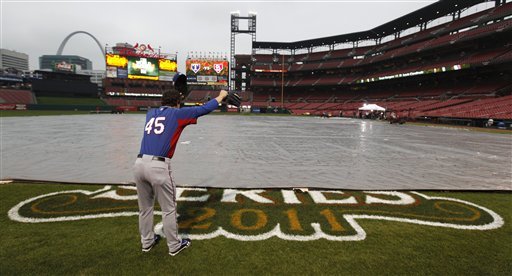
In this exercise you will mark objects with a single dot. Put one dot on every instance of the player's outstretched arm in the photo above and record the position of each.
(198, 111)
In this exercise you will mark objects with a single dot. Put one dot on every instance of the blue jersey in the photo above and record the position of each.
(164, 126)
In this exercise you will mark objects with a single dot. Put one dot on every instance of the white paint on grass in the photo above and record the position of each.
(405, 199)
(290, 197)
(230, 196)
(319, 198)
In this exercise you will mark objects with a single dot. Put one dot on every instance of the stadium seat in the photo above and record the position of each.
(16, 96)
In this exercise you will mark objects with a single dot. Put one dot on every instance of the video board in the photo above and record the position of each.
(140, 67)
(64, 67)
(207, 71)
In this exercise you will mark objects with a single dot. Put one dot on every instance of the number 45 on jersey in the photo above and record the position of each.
(158, 127)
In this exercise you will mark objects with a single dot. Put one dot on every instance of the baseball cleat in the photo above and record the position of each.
(184, 244)
(155, 241)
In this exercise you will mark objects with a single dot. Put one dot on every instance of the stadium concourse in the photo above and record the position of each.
(454, 72)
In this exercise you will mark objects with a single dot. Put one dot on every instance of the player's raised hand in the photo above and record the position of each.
(223, 94)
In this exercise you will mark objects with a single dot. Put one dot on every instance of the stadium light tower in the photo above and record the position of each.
(235, 29)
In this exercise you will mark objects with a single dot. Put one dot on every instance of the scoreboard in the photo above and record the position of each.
(207, 71)
(140, 62)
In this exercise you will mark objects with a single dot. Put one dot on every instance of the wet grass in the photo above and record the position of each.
(70, 101)
(22, 113)
(111, 246)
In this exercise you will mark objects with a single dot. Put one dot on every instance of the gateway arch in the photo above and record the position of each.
(61, 47)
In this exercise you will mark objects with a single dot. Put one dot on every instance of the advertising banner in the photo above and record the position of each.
(122, 73)
(64, 67)
(206, 78)
(167, 65)
(116, 60)
(7, 106)
(111, 72)
(166, 75)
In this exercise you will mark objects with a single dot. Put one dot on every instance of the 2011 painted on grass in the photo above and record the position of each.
(258, 214)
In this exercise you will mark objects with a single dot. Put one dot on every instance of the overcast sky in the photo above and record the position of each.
(38, 27)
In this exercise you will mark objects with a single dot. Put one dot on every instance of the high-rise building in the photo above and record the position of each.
(49, 61)
(13, 59)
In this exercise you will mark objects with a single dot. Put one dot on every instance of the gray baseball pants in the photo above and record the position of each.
(154, 179)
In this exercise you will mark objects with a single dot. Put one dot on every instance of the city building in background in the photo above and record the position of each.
(55, 62)
(13, 59)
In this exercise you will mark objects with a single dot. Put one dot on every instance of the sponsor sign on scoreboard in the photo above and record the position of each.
(167, 68)
(211, 72)
(111, 72)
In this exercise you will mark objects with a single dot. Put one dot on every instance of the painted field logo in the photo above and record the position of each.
(251, 215)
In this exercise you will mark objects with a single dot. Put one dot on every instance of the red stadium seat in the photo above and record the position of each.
(15, 96)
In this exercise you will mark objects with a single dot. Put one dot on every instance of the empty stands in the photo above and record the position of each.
(497, 108)
(14, 96)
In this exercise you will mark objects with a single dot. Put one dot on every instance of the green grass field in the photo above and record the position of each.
(70, 101)
(22, 113)
(111, 245)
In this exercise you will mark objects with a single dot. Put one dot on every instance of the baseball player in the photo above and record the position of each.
(152, 169)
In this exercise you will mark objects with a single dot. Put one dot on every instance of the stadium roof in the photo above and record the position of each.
(425, 14)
